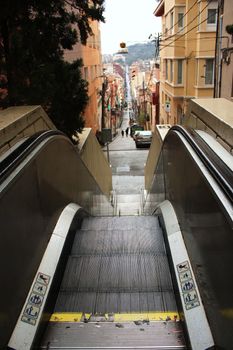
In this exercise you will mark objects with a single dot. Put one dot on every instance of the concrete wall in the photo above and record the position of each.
(153, 155)
(213, 116)
(94, 159)
(17, 123)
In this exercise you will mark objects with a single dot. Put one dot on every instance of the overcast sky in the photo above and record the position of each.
(130, 21)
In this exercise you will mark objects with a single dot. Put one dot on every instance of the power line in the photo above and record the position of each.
(185, 33)
(209, 1)
(177, 58)
(196, 39)
(168, 30)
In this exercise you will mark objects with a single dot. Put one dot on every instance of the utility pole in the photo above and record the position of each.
(104, 89)
(144, 98)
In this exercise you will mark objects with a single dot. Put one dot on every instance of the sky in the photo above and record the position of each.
(129, 21)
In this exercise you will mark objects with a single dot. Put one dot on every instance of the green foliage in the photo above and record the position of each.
(69, 98)
(34, 35)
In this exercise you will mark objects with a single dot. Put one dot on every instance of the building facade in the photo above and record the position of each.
(187, 52)
(113, 96)
(92, 72)
(144, 82)
(224, 51)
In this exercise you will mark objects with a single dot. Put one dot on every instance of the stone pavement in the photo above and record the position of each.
(127, 164)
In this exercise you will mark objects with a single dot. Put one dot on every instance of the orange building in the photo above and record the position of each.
(92, 72)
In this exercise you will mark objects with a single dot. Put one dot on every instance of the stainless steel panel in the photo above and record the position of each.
(117, 269)
(207, 231)
(31, 200)
(152, 335)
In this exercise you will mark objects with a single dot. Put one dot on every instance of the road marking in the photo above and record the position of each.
(122, 169)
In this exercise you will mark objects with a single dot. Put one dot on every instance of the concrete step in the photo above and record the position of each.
(128, 204)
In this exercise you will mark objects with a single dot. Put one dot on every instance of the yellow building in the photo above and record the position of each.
(224, 58)
(92, 72)
(187, 51)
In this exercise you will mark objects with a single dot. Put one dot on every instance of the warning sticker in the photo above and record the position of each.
(35, 300)
(31, 311)
(42, 278)
(28, 320)
(39, 288)
(187, 285)
(185, 276)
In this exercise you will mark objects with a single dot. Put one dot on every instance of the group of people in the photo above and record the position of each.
(126, 132)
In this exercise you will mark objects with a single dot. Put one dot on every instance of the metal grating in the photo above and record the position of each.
(117, 265)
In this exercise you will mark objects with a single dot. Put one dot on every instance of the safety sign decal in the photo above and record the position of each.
(188, 287)
(35, 300)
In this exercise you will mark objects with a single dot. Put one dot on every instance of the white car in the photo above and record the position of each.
(143, 138)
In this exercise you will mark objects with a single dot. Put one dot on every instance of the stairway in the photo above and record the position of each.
(128, 204)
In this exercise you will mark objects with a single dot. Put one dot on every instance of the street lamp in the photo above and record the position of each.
(104, 89)
(123, 48)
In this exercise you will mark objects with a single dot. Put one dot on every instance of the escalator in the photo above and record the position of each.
(148, 282)
(118, 278)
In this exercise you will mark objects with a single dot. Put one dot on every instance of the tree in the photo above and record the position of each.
(33, 36)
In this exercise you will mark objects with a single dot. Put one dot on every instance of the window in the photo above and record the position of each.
(232, 87)
(92, 72)
(166, 69)
(171, 70)
(166, 25)
(196, 72)
(212, 16)
(179, 71)
(209, 71)
(172, 22)
(86, 73)
(180, 21)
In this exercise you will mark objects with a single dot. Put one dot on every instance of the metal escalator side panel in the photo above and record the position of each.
(198, 328)
(209, 154)
(205, 215)
(32, 197)
(19, 152)
(32, 313)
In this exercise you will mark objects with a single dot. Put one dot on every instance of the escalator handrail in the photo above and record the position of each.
(8, 164)
(218, 169)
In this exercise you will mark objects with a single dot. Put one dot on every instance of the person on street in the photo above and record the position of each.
(127, 131)
(122, 133)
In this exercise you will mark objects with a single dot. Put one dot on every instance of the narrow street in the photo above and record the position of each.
(127, 164)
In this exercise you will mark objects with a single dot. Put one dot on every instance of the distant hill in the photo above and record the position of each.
(140, 52)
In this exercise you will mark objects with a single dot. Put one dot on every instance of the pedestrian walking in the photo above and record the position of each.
(127, 131)
(122, 133)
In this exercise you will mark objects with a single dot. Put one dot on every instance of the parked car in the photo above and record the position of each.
(143, 138)
(134, 128)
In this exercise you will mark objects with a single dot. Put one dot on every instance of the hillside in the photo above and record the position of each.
(140, 52)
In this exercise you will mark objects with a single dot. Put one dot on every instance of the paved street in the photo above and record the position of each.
(127, 164)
